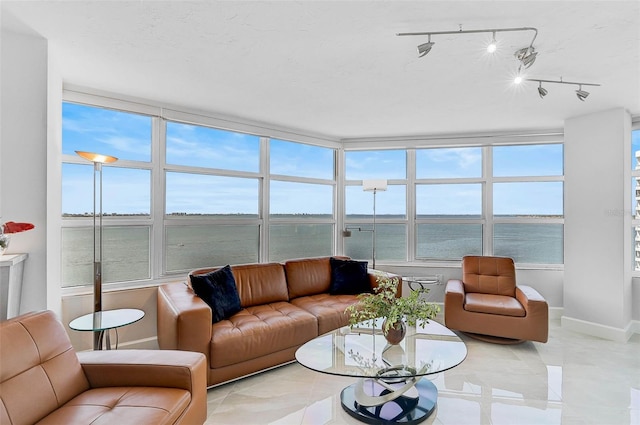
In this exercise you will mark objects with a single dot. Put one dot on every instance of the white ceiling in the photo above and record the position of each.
(337, 68)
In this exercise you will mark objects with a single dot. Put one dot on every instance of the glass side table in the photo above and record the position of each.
(103, 321)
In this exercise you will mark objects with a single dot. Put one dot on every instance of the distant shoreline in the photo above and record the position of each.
(349, 217)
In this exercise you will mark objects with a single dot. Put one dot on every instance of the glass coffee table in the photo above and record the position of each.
(390, 388)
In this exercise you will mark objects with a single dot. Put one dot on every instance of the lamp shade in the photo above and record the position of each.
(97, 157)
(374, 184)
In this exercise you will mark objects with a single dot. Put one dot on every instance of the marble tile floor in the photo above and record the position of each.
(572, 379)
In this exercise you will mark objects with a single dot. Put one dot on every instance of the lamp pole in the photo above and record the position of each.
(374, 186)
(98, 160)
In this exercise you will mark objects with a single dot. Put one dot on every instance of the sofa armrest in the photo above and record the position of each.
(184, 320)
(531, 300)
(454, 293)
(148, 368)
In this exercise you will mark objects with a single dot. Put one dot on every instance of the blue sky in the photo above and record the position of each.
(127, 190)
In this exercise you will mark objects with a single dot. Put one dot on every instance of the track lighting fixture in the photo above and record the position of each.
(581, 94)
(493, 46)
(526, 55)
(542, 91)
(425, 48)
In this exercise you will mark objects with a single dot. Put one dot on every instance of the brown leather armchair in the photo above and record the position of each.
(487, 304)
(44, 381)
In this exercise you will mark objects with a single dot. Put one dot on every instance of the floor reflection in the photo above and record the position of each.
(572, 379)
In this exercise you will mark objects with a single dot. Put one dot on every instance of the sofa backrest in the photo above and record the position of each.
(260, 283)
(308, 276)
(39, 369)
(489, 275)
(257, 284)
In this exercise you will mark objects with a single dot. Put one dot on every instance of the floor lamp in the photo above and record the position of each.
(374, 185)
(98, 160)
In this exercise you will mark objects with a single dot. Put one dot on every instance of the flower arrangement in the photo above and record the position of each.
(384, 303)
(11, 227)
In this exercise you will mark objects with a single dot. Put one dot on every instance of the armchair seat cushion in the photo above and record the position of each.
(260, 330)
(494, 304)
(116, 405)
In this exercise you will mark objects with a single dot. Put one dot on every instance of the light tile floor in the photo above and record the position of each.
(572, 379)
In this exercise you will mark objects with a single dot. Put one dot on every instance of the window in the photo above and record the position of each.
(300, 160)
(186, 194)
(391, 205)
(438, 207)
(301, 206)
(448, 163)
(199, 146)
(449, 203)
(528, 206)
(126, 191)
(211, 195)
(635, 193)
(208, 196)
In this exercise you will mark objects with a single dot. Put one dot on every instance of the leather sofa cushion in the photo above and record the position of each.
(113, 405)
(40, 370)
(328, 309)
(308, 276)
(260, 283)
(489, 275)
(257, 284)
(258, 331)
(493, 304)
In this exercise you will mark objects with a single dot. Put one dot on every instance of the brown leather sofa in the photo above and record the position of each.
(44, 381)
(488, 305)
(284, 305)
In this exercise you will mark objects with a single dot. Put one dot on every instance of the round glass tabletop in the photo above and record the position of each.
(362, 351)
(106, 319)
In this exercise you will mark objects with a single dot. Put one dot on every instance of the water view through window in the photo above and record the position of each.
(210, 196)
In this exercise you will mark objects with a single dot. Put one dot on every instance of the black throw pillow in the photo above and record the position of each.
(348, 277)
(218, 289)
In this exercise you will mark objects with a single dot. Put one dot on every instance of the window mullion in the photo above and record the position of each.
(487, 213)
(158, 158)
(412, 240)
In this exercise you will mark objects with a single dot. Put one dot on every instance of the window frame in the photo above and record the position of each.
(634, 214)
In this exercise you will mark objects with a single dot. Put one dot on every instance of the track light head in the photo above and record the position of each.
(526, 56)
(582, 95)
(425, 48)
(542, 91)
(493, 45)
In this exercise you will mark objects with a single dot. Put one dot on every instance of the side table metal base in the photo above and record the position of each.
(402, 410)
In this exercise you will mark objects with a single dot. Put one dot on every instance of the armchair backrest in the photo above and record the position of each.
(39, 370)
(489, 275)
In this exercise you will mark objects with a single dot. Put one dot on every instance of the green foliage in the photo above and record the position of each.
(384, 303)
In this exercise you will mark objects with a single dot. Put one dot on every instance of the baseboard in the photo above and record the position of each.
(555, 313)
(150, 343)
(601, 331)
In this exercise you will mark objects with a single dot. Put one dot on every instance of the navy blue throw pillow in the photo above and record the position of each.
(218, 289)
(348, 277)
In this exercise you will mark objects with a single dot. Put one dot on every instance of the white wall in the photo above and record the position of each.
(23, 162)
(597, 272)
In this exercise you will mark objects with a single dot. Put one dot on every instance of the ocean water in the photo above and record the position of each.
(128, 250)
